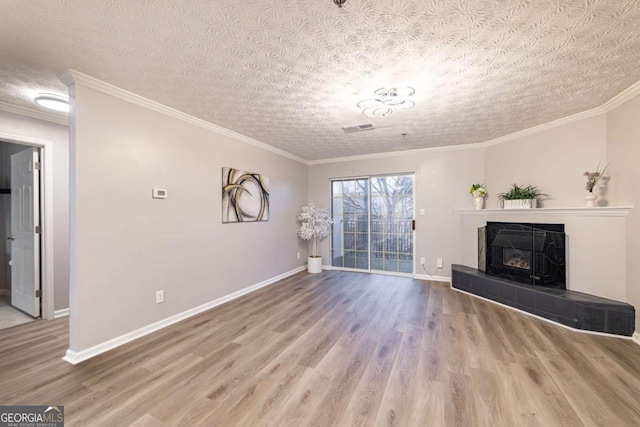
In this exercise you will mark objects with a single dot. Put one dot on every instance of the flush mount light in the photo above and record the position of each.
(386, 100)
(53, 102)
(339, 2)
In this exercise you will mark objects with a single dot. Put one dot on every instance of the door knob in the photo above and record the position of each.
(11, 238)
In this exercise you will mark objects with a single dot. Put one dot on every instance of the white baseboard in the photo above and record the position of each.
(61, 313)
(75, 357)
(433, 278)
(636, 337)
(327, 267)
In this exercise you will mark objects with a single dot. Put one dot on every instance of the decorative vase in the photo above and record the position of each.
(314, 264)
(591, 200)
(478, 202)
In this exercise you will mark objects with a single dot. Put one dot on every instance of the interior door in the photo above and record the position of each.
(25, 240)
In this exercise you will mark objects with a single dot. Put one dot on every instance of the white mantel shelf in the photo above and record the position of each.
(581, 211)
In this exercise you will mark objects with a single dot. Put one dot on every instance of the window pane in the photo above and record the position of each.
(336, 227)
(336, 188)
(348, 188)
(336, 241)
(405, 263)
(349, 241)
(350, 259)
(362, 260)
(391, 262)
(336, 260)
(362, 241)
(336, 206)
(377, 261)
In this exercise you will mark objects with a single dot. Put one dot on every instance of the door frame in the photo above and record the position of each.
(413, 234)
(46, 209)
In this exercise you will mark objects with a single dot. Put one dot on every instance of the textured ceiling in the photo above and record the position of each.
(290, 73)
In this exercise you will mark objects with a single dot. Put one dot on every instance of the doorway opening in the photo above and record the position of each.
(373, 223)
(20, 234)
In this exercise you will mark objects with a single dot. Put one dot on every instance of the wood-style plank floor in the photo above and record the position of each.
(335, 349)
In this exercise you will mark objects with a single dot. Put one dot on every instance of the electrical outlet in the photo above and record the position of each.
(439, 262)
(421, 211)
(298, 255)
(423, 261)
(159, 297)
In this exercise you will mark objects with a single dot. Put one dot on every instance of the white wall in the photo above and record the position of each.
(554, 160)
(442, 184)
(125, 245)
(33, 128)
(623, 150)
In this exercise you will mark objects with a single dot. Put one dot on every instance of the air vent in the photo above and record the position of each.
(358, 128)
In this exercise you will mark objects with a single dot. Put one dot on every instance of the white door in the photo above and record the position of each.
(25, 241)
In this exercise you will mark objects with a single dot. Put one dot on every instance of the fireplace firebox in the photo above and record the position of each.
(524, 252)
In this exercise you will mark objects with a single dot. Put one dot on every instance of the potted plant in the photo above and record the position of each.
(478, 192)
(521, 197)
(315, 224)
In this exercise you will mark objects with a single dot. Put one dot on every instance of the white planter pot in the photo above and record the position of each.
(314, 264)
(520, 204)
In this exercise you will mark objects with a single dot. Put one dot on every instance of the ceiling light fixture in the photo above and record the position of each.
(53, 102)
(339, 2)
(386, 100)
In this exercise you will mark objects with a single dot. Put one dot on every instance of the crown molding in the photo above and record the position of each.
(34, 114)
(473, 146)
(71, 77)
(622, 97)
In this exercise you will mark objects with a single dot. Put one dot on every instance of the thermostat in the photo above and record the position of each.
(159, 193)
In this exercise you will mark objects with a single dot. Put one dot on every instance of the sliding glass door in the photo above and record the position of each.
(372, 223)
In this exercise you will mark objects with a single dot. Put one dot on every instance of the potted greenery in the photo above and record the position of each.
(315, 224)
(521, 197)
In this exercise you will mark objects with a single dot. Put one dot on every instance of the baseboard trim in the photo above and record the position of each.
(635, 337)
(61, 313)
(75, 357)
(432, 278)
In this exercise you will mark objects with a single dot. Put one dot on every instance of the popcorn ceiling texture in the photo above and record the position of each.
(290, 74)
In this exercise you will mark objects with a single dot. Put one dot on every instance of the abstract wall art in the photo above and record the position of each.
(245, 196)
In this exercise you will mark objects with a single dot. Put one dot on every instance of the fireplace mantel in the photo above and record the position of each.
(613, 211)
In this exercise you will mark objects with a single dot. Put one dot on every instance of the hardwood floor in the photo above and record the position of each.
(335, 349)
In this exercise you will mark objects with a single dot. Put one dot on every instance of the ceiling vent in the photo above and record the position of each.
(358, 128)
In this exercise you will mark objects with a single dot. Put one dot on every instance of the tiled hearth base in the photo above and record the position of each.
(574, 309)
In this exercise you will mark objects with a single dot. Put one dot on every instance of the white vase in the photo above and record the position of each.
(591, 200)
(314, 264)
(478, 202)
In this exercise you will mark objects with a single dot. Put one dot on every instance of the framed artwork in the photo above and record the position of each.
(245, 196)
